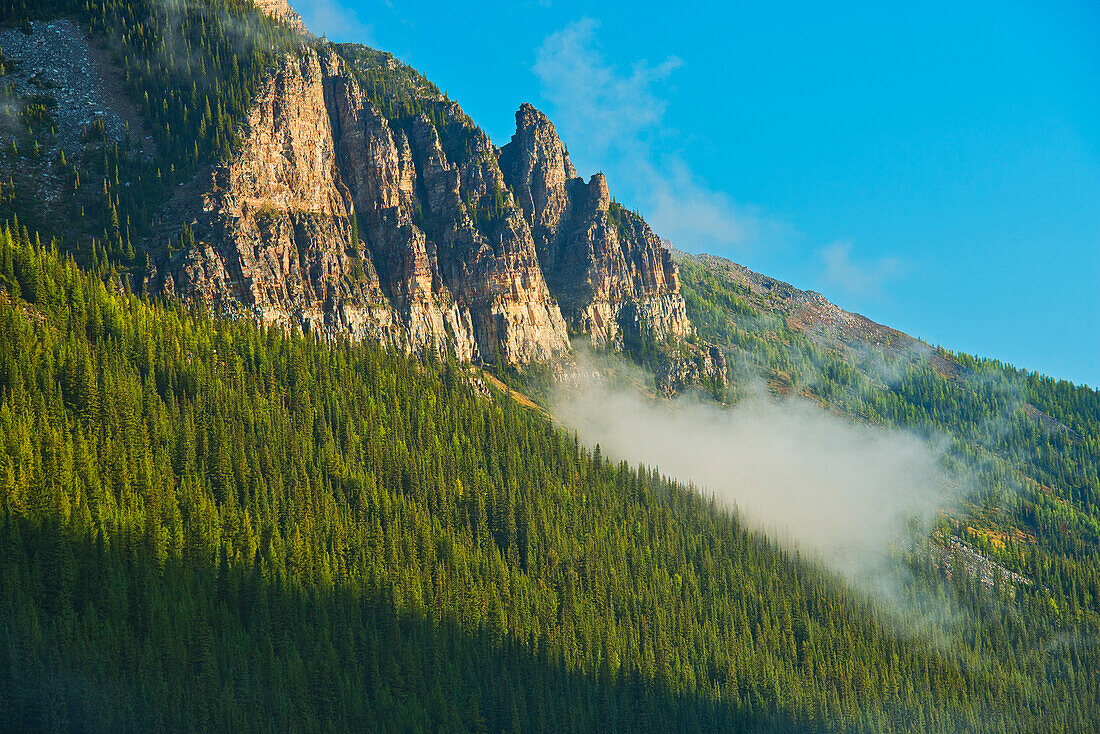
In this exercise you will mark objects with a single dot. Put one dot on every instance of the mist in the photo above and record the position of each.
(840, 491)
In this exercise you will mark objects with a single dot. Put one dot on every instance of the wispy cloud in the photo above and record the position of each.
(612, 107)
(682, 207)
(860, 279)
(847, 492)
(618, 116)
(334, 20)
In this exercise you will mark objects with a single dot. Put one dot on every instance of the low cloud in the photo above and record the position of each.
(841, 491)
(863, 280)
(618, 115)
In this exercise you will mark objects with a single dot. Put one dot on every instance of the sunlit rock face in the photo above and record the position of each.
(332, 219)
(605, 266)
(335, 219)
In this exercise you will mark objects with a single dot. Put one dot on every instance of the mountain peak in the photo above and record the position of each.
(608, 271)
(281, 10)
(537, 165)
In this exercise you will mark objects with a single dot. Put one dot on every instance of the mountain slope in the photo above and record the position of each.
(277, 229)
(211, 524)
(332, 188)
(218, 523)
(1030, 445)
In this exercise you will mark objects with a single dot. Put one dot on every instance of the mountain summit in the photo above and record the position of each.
(343, 213)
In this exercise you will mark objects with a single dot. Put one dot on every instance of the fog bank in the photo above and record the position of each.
(839, 490)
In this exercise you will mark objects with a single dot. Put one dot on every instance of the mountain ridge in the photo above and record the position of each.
(340, 219)
(222, 523)
(832, 327)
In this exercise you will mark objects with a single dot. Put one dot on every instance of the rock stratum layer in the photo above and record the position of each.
(413, 230)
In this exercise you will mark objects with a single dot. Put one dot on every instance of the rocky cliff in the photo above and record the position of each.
(610, 273)
(332, 218)
(281, 10)
(342, 215)
(271, 232)
(692, 366)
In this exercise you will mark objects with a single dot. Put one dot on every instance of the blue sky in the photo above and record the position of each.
(934, 166)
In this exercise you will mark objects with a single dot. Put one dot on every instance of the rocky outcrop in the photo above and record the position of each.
(537, 167)
(273, 230)
(332, 218)
(610, 273)
(281, 10)
(412, 228)
(700, 366)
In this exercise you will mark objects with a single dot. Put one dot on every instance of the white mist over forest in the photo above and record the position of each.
(842, 491)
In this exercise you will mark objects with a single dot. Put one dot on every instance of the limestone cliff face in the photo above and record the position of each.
(281, 9)
(412, 229)
(610, 273)
(705, 366)
(272, 229)
(332, 218)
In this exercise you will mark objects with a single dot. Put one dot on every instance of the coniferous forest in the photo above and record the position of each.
(211, 524)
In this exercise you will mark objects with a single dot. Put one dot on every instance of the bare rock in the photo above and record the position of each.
(338, 220)
(691, 367)
(332, 219)
(539, 170)
(281, 10)
(603, 263)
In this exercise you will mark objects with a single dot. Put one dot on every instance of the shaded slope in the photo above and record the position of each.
(173, 444)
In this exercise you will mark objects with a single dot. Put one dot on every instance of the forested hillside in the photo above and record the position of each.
(1031, 443)
(210, 524)
(214, 524)
(191, 70)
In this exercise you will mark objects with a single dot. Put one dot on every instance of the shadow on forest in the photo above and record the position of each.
(96, 636)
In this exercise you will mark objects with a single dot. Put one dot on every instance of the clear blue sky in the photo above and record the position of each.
(934, 166)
